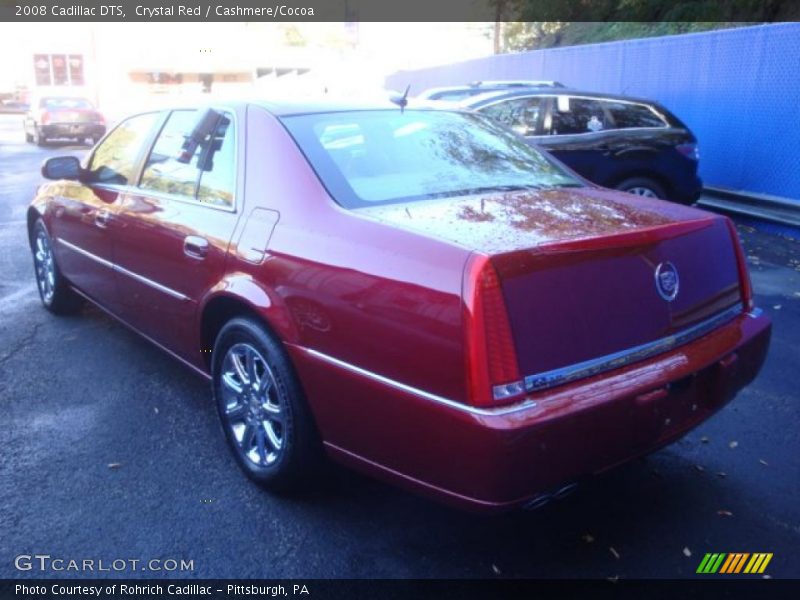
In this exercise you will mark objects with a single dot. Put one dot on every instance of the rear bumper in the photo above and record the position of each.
(492, 460)
(688, 191)
(65, 130)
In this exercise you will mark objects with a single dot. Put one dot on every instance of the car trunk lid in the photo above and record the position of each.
(589, 274)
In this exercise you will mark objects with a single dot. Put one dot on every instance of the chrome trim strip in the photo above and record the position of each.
(87, 254)
(487, 412)
(548, 379)
(153, 284)
(555, 377)
(114, 267)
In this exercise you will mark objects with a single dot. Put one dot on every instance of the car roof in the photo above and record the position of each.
(289, 107)
(493, 96)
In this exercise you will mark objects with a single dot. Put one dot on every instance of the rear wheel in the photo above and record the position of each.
(262, 409)
(642, 186)
(39, 138)
(54, 291)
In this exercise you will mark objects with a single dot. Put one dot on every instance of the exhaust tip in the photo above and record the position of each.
(565, 491)
(540, 500)
(537, 502)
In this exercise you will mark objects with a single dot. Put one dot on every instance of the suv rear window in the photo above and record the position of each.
(578, 115)
(633, 116)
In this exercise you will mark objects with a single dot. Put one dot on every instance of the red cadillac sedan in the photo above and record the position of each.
(416, 293)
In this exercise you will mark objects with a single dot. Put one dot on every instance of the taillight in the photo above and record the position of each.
(690, 151)
(491, 360)
(745, 284)
(44, 117)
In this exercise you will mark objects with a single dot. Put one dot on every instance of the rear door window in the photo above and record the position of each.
(578, 115)
(523, 115)
(114, 160)
(634, 116)
(206, 175)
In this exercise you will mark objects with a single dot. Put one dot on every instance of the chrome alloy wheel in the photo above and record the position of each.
(253, 408)
(45, 267)
(642, 191)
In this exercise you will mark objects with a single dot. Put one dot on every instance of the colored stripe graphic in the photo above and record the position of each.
(734, 562)
(710, 563)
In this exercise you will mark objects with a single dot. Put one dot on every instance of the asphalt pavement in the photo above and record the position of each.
(110, 449)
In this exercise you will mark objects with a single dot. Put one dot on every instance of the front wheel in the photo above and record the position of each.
(642, 186)
(262, 409)
(54, 291)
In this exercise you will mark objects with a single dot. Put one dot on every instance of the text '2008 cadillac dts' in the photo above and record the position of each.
(416, 293)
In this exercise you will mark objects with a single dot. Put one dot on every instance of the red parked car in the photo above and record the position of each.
(416, 293)
(62, 117)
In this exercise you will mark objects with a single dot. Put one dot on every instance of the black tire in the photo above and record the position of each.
(633, 185)
(38, 137)
(295, 464)
(56, 294)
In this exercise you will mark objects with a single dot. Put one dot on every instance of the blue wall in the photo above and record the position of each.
(737, 89)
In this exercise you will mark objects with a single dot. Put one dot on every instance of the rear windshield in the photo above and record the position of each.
(382, 157)
(67, 103)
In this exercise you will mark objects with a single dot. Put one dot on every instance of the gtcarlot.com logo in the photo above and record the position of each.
(46, 562)
(731, 563)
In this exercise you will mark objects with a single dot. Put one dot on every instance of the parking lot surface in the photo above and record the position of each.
(110, 449)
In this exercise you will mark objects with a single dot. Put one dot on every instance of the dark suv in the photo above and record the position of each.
(630, 144)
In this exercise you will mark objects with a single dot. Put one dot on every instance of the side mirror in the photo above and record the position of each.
(62, 167)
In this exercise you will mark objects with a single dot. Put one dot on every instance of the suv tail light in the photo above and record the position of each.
(491, 360)
(44, 117)
(745, 284)
(690, 151)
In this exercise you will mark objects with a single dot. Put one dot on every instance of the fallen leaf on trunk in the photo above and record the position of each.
(763, 462)
(114, 465)
(700, 468)
(724, 513)
(722, 474)
(496, 570)
(704, 439)
(614, 552)
(733, 444)
(686, 552)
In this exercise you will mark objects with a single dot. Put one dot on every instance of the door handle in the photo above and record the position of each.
(101, 218)
(195, 246)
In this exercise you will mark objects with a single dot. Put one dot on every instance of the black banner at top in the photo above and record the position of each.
(398, 10)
